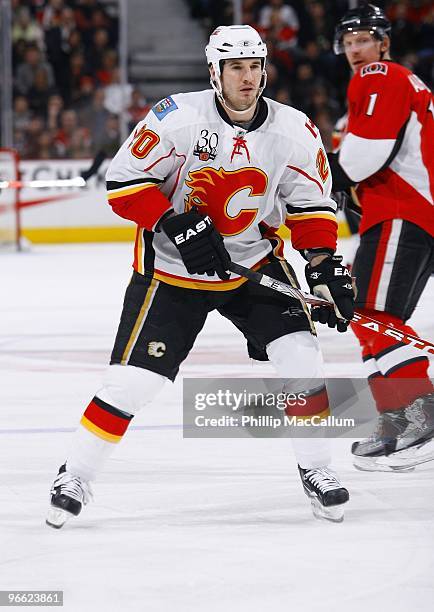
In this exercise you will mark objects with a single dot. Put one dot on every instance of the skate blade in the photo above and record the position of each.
(410, 457)
(333, 514)
(376, 464)
(56, 517)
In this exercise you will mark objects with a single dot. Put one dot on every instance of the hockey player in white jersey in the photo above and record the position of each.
(208, 177)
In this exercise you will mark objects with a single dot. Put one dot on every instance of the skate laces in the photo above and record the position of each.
(323, 478)
(74, 487)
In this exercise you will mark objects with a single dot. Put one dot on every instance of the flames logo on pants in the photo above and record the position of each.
(212, 191)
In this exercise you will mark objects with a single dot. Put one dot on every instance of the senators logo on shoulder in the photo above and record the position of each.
(374, 68)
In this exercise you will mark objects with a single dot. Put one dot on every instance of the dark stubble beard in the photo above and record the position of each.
(240, 107)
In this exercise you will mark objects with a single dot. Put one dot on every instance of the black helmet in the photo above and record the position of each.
(367, 17)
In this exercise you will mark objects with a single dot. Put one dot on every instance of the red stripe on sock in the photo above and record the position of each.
(110, 423)
(308, 405)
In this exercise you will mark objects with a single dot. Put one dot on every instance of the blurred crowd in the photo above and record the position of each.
(302, 68)
(67, 94)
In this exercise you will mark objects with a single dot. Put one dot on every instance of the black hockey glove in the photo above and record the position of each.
(199, 243)
(332, 281)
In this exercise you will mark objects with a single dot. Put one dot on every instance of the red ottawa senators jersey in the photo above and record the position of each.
(388, 148)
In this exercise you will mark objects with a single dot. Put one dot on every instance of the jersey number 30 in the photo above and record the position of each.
(143, 142)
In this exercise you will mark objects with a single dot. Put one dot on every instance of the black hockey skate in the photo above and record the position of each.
(68, 495)
(403, 439)
(326, 493)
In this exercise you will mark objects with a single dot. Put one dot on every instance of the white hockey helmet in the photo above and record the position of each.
(234, 42)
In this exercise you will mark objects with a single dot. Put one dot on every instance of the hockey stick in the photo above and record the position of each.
(308, 298)
(76, 181)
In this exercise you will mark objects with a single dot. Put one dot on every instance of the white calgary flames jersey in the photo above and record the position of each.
(388, 147)
(186, 152)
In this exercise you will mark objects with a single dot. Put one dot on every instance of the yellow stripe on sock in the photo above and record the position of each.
(322, 415)
(98, 431)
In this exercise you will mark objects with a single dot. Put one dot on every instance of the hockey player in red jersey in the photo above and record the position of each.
(207, 177)
(387, 159)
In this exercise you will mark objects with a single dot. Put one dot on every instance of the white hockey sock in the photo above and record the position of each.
(87, 454)
(125, 391)
(312, 452)
(298, 356)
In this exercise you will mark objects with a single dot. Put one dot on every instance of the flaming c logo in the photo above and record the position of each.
(212, 190)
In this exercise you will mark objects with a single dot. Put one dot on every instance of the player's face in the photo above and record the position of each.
(362, 48)
(240, 80)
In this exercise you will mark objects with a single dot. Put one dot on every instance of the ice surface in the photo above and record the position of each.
(182, 525)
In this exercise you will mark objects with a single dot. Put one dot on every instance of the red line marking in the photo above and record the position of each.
(47, 200)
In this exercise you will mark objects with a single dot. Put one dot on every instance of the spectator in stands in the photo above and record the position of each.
(272, 80)
(68, 133)
(26, 28)
(22, 113)
(91, 15)
(34, 130)
(285, 14)
(404, 31)
(75, 42)
(96, 50)
(302, 87)
(321, 102)
(26, 71)
(109, 64)
(111, 136)
(57, 35)
(325, 124)
(138, 108)
(57, 38)
(100, 20)
(80, 145)
(39, 93)
(426, 34)
(52, 14)
(84, 11)
(94, 117)
(283, 35)
(323, 24)
(282, 96)
(19, 49)
(117, 95)
(54, 109)
(20, 142)
(250, 15)
(84, 97)
(46, 148)
(76, 74)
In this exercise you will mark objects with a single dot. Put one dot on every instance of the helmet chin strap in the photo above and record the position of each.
(237, 112)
